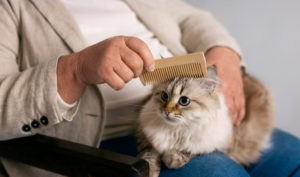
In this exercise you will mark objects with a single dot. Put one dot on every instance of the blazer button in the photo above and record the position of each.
(44, 120)
(35, 124)
(26, 128)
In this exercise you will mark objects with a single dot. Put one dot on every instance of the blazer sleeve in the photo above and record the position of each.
(28, 99)
(199, 29)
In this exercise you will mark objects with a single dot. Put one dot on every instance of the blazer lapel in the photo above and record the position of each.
(162, 25)
(62, 22)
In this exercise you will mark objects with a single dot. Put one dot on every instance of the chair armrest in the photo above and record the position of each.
(71, 159)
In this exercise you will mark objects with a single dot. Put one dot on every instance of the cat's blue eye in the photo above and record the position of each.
(184, 101)
(164, 96)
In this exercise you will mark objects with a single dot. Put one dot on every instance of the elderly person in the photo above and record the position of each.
(53, 68)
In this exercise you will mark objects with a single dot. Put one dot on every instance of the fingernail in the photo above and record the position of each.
(151, 68)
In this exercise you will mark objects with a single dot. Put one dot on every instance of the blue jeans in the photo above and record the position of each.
(281, 160)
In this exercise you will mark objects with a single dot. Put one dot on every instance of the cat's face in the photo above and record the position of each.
(187, 100)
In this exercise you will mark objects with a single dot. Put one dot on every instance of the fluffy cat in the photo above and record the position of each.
(186, 117)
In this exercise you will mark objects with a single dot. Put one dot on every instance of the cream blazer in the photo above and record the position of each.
(35, 33)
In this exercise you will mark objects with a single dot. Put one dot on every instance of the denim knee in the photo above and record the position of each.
(214, 164)
(282, 159)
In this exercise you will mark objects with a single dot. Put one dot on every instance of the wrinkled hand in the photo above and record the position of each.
(114, 61)
(227, 63)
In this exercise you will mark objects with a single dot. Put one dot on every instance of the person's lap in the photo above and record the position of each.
(282, 160)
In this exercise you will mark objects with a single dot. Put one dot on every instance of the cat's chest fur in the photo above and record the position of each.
(196, 138)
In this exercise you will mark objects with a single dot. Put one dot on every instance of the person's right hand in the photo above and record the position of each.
(114, 61)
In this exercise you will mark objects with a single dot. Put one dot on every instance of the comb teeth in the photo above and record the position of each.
(192, 65)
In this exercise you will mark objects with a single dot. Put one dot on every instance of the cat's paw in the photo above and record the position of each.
(153, 173)
(175, 159)
(152, 157)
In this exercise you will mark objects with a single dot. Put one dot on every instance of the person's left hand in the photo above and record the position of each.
(227, 63)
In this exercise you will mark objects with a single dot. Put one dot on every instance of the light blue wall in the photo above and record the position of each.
(269, 34)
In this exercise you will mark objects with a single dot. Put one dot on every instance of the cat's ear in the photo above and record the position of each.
(212, 73)
(211, 79)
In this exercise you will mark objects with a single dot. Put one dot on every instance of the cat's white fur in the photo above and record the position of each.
(209, 133)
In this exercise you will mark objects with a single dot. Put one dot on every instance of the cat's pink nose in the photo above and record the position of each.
(167, 112)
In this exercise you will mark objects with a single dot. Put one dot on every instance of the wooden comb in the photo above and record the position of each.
(191, 65)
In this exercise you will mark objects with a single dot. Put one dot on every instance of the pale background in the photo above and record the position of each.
(269, 34)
